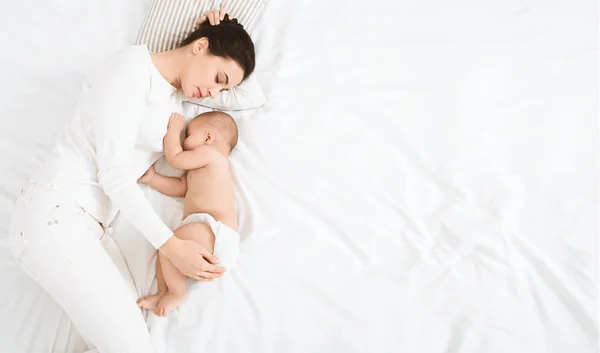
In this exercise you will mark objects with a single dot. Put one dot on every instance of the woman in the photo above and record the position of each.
(115, 135)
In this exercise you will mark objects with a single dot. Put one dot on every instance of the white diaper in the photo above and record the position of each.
(227, 240)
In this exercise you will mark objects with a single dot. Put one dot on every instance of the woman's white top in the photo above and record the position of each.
(114, 136)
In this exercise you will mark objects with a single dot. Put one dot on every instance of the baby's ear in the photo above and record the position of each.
(209, 138)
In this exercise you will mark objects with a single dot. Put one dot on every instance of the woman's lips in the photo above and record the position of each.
(199, 94)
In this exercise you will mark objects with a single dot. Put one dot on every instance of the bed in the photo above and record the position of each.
(423, 178)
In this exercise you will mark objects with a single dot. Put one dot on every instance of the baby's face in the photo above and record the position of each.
(199, 134)
(195, 137)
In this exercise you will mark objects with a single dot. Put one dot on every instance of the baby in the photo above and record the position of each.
(209, 211)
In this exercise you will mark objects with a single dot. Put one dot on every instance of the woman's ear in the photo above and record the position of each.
(199, 45)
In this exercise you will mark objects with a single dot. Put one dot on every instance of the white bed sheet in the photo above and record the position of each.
(423, 178)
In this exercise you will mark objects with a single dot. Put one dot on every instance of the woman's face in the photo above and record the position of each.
(206, 75)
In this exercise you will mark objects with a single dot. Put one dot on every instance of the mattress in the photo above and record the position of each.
(423, 178)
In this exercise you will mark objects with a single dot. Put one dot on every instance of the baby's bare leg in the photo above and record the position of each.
(176, 293)
(149, 302)
(198, 232)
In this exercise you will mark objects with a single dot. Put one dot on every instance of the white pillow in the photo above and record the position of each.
(168, 22)
(247, 95)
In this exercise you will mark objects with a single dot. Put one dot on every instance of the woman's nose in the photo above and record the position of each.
(213, 92)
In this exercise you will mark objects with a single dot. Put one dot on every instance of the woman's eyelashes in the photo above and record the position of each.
(220, 82)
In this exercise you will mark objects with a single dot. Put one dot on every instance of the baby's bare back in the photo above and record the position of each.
(210, 190)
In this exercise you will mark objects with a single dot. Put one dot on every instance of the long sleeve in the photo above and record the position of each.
(118, 94)
(248, 95)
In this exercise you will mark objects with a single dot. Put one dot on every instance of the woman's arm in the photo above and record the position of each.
(118, 95)
(115, 104)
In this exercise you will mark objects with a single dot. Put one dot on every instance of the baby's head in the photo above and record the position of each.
(212, 128)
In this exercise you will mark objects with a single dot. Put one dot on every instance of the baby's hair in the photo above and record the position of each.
(223, 122)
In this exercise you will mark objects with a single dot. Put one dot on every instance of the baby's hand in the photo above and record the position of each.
(145, 179)
(176, 122)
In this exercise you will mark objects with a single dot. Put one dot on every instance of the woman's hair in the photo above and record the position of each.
(228, 40)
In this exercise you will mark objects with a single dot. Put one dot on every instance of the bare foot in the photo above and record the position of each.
(169, 302)
(149, 302)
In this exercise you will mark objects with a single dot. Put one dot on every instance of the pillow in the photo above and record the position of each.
(168, 22)
(247, 95)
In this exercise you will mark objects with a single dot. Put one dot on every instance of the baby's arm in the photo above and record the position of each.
(171, 186)
(176, 156)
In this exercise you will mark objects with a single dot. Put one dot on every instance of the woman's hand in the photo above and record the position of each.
(214, 17)
(191, 259)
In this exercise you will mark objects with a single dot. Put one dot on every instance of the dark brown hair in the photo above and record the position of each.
(228, 40)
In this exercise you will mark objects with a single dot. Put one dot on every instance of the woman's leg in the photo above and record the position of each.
(57, 244)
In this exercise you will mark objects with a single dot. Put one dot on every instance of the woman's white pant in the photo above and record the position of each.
(58, 244)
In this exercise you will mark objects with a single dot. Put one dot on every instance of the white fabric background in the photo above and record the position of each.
(423, 177)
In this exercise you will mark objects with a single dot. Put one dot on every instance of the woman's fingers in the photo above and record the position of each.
(209, 276)
(210, 258)
(211, 18)
(202, 279)
(214, 17)
(200, 21)
(213, 269)
(205, 276)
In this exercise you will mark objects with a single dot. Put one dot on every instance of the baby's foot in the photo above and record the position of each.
(149, 302)
(169, 302)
